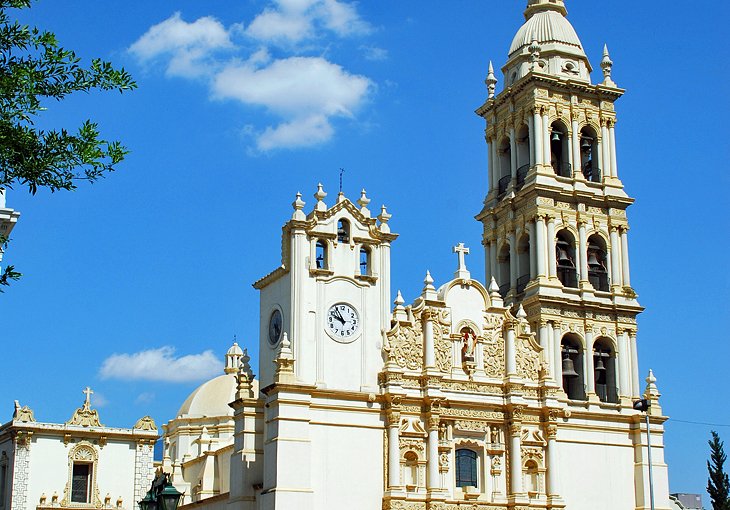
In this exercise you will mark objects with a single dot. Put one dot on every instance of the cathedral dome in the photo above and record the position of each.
(547, 27)
(211, 398)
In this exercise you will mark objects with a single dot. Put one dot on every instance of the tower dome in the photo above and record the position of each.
(547, 43)
(233, 358)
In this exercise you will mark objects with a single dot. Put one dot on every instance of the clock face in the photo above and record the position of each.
(275, 326)
(342, 321)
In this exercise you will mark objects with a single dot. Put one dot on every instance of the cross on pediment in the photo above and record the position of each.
(462, 251)
(88, 394)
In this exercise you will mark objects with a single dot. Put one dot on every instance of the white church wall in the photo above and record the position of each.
(275, 295)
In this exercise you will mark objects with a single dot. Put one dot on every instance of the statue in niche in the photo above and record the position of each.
(443, 431)
(495, 435)
(469, 340)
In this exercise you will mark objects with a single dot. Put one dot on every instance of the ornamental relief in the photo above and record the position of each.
(472, 413)
(415, 445)
(473, 387)
(492, 327)
(528, 359)
(444, 358)
(405, 345)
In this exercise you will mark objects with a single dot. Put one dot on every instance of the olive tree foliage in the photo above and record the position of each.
(35, 71)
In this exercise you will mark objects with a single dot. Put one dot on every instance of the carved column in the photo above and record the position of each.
(429, 353)
(533, 255)
(577, 170)
(492, 164)
(515, 451)
(434, 478)
(553, 480)
(488, 262)
(513, 152)
(583, 254)
(545, 344)
(588, 362)
(558, 354)
(625, 256)
(615, 258)
(509, 348)
(612, 148)
(539, 245)
(546, 137)
(512, 260)
(393, 419)
(537, 137)
(623, 362)
(605, 152)
(552, 263)
(636, 384)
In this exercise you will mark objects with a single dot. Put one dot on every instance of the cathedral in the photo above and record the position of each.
(516, 392)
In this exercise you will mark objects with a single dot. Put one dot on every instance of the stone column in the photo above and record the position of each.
(623, 362)
(546, 138)
(615, 258)
(553, 480)
(552, 263)
(540, 245)
(512, 260)
(515, 430)
(605, 152)
(510, 354)
(612, 138)
(493, 255)
(545, 344)
(577, 170)
(492, 164)
(533, 255)
(513, 153)
(433, 479)
(488, 271)
(636, 383)
(558, 354)
(588, 362)
(625, 256)
(583, 255)
(429, 354)
(393, 416)
(536, 137)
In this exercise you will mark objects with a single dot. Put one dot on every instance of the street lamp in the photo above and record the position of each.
(643, 405)
(162, 495)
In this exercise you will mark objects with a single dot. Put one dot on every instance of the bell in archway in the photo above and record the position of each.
(564, 257)
(569, 368)
(556, 136)
(593, 261)
(585, 145)
(600, 367)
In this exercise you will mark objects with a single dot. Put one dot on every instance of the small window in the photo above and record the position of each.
(81, 483)
(343, 231)
(466, 468)
(365, 261)
(321, 255)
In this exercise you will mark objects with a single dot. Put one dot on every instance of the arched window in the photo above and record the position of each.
(503, 270)
(565, 257)
(410, 470)
(320, 255)
(559, 151)
(573, 376)
(504, 153)
(365, 265)
(597, 263)
(589, 154)
(604, 371)
(523, 263)
(343, 231)
(466, 468)
(523, 154)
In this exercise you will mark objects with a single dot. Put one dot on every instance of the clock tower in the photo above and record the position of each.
(330, 296)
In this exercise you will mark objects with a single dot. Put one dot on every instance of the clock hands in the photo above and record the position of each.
(337, 315)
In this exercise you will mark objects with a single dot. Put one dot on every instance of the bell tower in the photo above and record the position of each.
(555, 223)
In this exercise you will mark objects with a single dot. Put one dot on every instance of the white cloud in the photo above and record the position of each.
(145, 398)
(343, 18)
(98, 400)
(374, 53)
(297, 133)
(188, 45)
(161, 365)
(273, 25)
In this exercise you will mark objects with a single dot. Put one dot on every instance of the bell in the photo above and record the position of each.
(593, 260)
(585, 145)
(563, 256)
(600, 367)
(556, 136)
(569, 368)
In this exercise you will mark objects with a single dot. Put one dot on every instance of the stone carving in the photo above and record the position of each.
(528, 359)
(411, 445)
(472, 426)
(443, 354)
(23, 414)
(473, 387)
(145, 423)
(472, 413)
(405, 345)
(85, 416)
(494, 359)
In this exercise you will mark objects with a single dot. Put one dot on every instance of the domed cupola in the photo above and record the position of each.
(547, 43)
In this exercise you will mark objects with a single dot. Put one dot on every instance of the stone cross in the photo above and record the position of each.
(88, 394)
(462, 271)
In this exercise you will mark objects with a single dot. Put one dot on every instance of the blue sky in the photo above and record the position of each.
(242, 104)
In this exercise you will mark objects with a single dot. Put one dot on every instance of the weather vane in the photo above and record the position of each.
(342, 171)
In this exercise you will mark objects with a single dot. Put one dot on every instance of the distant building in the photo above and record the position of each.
(686, 501)
(78, 464)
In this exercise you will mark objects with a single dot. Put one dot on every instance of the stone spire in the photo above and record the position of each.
(284, 361)
(607, 66)
(535, 6)
(491, 81)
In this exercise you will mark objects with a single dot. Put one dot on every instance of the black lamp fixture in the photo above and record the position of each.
(162, 495)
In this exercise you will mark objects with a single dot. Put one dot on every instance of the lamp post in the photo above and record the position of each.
(643, 406)
(162, 495)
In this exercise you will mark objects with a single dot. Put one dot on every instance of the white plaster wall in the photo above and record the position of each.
(49, 470)
(276, 294)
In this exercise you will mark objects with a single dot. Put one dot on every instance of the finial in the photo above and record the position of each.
(363, 202)
(461, 271)
(245, 377)
(384, 217)
(399, 313)
(535, 6)
(491, 81)
(534, 50)
(429, 291)
(607, 66)
(399, 301)
(652, 394)
(521, 315)
(285, 361)
(298, 205)
(233, 358)
(320, 196)
(494, 295)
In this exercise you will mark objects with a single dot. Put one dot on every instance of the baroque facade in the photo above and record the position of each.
(77, 464)
(513, 393)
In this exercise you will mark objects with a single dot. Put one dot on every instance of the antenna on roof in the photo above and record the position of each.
(342, 171)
